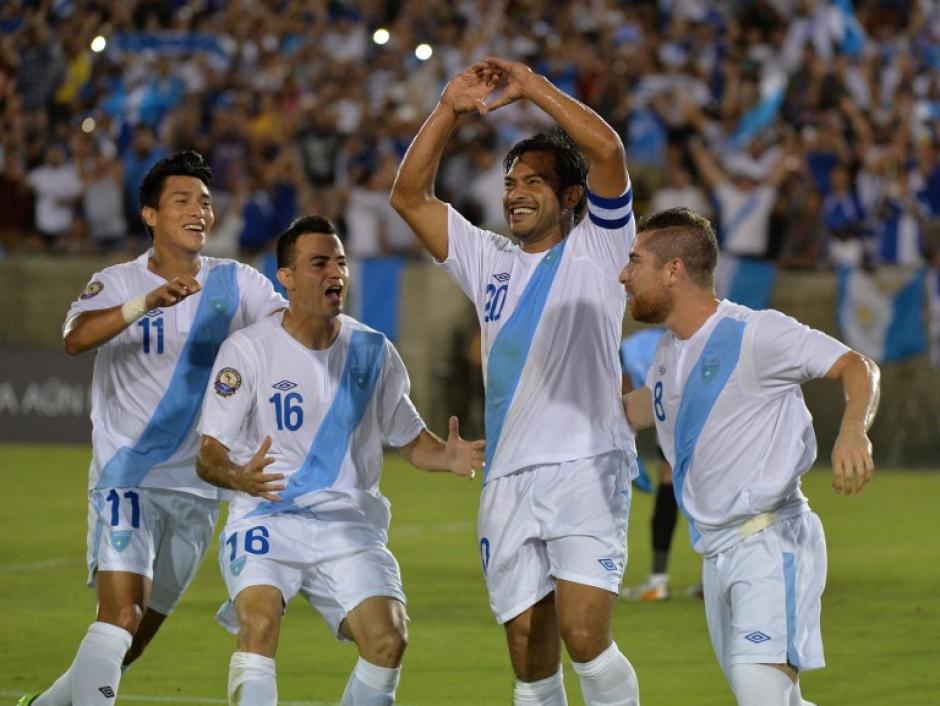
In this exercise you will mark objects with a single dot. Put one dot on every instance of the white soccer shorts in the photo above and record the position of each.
(763, 596)
(334, 564)
(154, 532)
(563, 521)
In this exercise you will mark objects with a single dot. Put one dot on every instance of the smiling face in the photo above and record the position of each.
(183, 214)
(644, 280)
(317, 277)
(531, 200)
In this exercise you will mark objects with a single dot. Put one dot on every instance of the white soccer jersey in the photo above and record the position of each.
(731, 419)
(327, 412)
(551, 324)
(149, 380)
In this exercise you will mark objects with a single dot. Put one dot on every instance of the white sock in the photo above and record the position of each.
(796, 698)
(252, 680)
(371, 685)
(96, 671)
(59, 694)
(545, 692)
(608, 679)
(760, 685)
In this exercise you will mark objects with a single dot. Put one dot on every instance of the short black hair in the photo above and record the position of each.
(570, 164)
(684, 234)
(187, 163)
(301, 226)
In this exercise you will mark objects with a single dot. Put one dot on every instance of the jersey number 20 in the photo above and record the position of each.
(495, 299)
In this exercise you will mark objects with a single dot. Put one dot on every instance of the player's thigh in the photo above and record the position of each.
(584, 508)
(352, 565)
(268, 551)
(775, 583)
(717, 601)
(512, 551)
(123, 530)
(189, 522)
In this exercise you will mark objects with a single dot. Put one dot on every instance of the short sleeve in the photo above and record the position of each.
(259, 298)
(229, 399)
(399, 421)
(104, 290)
(608, 230)
(467, 248)
(786, 352)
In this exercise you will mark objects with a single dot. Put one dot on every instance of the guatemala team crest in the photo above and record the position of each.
(236, 566)
(120, 540)
(710, 368)
(227, 381)
(94, 288)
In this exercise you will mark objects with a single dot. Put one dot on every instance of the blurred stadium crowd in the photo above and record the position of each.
(807, 129)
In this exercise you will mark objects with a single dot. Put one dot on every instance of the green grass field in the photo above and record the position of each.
(881, 615)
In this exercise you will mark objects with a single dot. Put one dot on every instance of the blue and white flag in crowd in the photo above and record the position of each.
(748, 281)
(375, 285)
(853, 36)
(886, 327)
(773, 89)
(933, 300)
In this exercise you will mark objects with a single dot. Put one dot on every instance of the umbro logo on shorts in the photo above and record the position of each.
(107, 691)
(757, 637)
(607, 564)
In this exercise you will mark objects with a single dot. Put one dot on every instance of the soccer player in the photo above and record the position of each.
(560, 456)
(157, 323)
(724, 393)
(299, 407)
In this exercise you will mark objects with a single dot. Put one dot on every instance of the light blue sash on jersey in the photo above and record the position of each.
(705, 382)
(176, 412)
(364, 362)
(511, 347)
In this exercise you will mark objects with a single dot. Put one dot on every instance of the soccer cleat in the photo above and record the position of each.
(650, 591)
(27, 699)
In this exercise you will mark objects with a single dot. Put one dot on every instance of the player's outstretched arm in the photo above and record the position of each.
(607, 176)
(214, 466)
(413, 192)
(852, 463)
(638, 406)
(429, 453)
(91, 329)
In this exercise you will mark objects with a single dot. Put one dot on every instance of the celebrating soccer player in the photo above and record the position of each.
(295, 418)
(554, 506)
(724, 393)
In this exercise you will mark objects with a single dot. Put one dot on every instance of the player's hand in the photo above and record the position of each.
(852, 463)
(468, 90)
(173, 292)
(253, 480)
(513, 78)
(463, 457)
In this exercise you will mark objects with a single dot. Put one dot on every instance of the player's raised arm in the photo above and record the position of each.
(91, 329)
(413, 192)
(459, 456)
(607, 176)
(852, 453)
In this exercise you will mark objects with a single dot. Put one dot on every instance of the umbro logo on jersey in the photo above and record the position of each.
(284, 385)
(107, 691)
(607, 564)
(501, 277)
(154, 312)
(757, 637)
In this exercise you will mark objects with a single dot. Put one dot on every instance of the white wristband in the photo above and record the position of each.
(133, 309)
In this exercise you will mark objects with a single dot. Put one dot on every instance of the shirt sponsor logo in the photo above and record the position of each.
(227, 382)
(93, 289)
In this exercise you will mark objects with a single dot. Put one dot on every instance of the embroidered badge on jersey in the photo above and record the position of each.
(93, 289)
(227, 382)
(710, 366)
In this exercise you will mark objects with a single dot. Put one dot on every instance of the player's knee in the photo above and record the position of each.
(584, 644)
(388, 646)
(255, 627)
(126, 617)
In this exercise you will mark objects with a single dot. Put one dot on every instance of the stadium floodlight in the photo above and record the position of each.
(88, 125)
(423, 51)
(98, 44)
(381, 36)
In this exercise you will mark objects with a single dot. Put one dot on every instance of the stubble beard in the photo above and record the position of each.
(651, 310)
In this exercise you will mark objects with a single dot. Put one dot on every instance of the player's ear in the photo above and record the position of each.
(286, 277)
(572, 196)
(149, 215)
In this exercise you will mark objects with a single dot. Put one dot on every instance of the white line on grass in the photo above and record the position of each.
(181, 699)
(35, 565)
